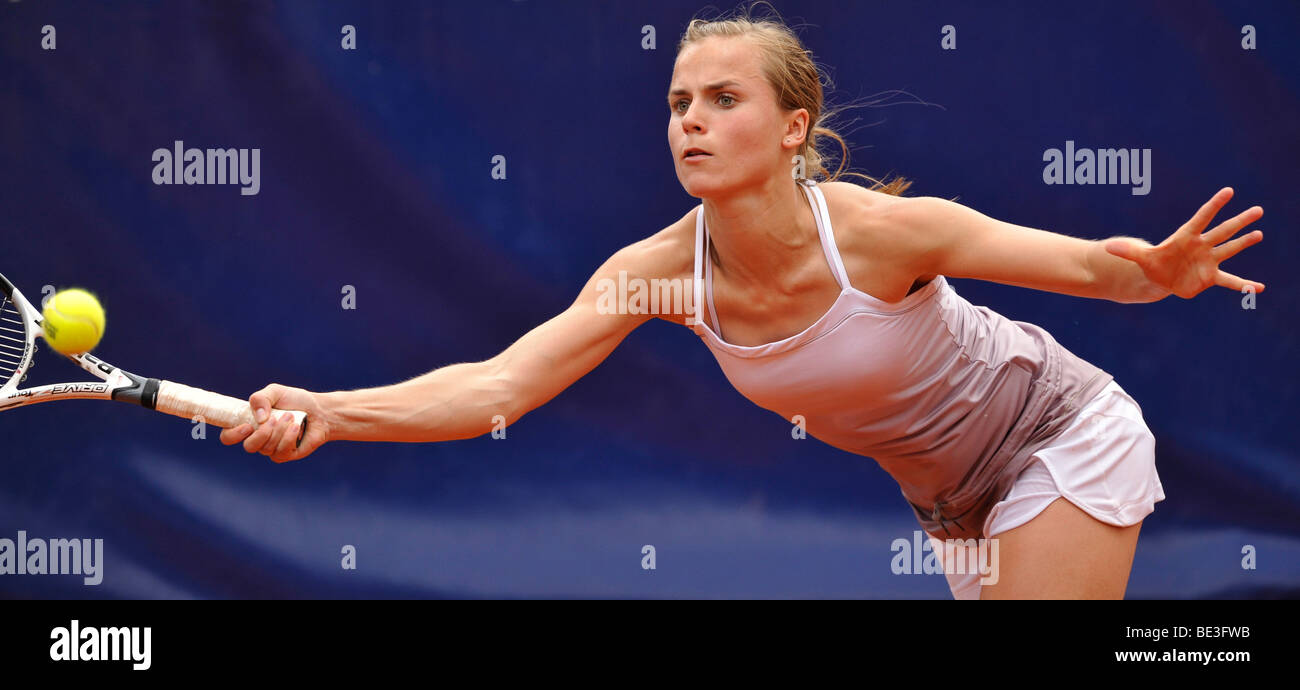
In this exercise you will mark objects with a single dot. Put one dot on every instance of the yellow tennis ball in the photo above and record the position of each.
(74, 321)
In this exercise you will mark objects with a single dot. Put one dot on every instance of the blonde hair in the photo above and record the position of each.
(789, 68)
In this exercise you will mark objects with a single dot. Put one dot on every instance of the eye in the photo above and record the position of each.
(677, 107)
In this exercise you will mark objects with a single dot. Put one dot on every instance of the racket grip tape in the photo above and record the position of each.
(213, 408)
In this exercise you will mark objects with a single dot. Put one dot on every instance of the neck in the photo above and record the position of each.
(763, 234)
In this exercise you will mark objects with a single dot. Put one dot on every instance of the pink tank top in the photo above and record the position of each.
(951, 399)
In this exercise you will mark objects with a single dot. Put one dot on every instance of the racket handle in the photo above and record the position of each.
(221, 410)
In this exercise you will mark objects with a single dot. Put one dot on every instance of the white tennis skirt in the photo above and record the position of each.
(1104, 462)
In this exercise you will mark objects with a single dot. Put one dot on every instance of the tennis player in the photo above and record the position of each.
(827, 300)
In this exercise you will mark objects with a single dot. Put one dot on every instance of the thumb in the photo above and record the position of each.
(264, 400)
(1124, 249)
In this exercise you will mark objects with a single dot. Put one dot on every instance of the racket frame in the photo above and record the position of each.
(113, 384)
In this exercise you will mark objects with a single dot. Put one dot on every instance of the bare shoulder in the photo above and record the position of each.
(877, 237)
(871, 221)
(668, 253)
(663, 260)
(859, 205)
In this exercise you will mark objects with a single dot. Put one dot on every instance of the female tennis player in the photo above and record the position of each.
(828, 300)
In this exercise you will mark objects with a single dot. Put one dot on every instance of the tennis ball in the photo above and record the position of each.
(74, 321)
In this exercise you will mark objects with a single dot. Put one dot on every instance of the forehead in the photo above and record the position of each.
(715, 59)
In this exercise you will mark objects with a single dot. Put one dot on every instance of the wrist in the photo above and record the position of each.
(331, 406)
(1119, 279)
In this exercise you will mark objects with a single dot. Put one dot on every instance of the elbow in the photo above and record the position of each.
(502, 396)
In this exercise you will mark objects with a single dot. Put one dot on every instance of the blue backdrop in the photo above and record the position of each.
(375, 172)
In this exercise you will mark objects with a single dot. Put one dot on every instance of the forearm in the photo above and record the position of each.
(454, 402)
(1120, 280)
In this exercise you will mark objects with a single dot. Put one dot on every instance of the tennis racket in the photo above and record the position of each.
(21, 324)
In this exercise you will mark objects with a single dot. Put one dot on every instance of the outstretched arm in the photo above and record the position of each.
(461, 400)
(950, 239)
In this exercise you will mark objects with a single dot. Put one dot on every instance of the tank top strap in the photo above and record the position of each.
(818, 202)
(708, 285)
(694, 319)
(702, 282)
(703, 278)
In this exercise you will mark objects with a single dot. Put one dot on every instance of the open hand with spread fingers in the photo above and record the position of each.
(1187, 262)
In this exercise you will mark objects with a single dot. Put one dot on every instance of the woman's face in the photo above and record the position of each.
(719, 102)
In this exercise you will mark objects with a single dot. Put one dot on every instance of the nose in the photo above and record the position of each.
(691, 121)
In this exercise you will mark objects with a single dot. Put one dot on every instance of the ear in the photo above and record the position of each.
(796, 129)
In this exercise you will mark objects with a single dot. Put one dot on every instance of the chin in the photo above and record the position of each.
(699, 186)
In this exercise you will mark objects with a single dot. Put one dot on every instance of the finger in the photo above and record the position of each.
(230, 437)
(1236, 283)
(289, 455)
(257, 439)
(288, 439)
(273, 441)
(313, 439)
(1229, 249)
(262, 439)
(1207, 211)
(296, 452)
(1229, 227)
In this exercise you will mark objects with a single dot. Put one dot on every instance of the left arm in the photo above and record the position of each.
(953, 240)
(961, 242)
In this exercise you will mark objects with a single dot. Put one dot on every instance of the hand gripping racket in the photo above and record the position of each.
(20, 324)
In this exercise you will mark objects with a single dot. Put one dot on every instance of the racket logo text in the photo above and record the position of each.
(61, 389)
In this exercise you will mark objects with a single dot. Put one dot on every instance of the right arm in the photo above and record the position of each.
(462, 401)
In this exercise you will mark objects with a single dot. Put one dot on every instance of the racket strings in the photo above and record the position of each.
(13, 339)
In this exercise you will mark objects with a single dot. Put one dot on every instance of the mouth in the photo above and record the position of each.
(695, 153)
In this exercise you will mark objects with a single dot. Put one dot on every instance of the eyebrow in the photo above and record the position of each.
(711, 87)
